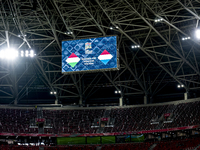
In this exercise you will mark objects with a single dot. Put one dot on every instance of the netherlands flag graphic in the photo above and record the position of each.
(72, 60)
(105, 57)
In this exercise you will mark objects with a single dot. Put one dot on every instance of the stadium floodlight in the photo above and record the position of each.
(197, 32)
(116, 92)
(26, 53)
(9, 54)
(158, 20)
(53, 92)
(135, 46)
(69, 32)
(31, 53)
(185, 38)
(22, 53)
(180, 86)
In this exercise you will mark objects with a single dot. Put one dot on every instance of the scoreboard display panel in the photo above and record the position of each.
(90, 55)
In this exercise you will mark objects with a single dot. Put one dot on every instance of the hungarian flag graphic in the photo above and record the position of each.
(72, 60)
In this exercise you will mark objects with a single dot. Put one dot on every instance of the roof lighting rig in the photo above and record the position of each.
(11, 54)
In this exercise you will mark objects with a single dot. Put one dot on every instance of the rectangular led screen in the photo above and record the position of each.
(89, 55)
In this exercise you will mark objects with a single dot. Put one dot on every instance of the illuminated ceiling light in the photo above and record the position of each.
(9, 54)
(178, 86)
(186, 38)
(53, 92)
(111, 28)
(31, 53)
(116, 92)
(69, 32)
(182, 85)
(26, 53)
(158, 20)
(197, 34)
(135, 46)
(19, 35)
(117, 27)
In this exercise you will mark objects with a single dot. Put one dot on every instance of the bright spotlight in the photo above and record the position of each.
(179, 86)
(26, 53)
(182, 85)
(111, 28)
(31, 53)
(51, 92)
(22, 53)
(115, 92)
(9, 54)
(54, 92)
(198, 33)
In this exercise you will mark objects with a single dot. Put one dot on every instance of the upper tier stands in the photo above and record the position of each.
(17, 120)
(186, 114)
(72, 121)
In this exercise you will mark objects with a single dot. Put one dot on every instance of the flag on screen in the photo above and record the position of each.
(72, 60)
(105, 57)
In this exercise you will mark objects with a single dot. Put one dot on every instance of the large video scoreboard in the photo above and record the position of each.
(90, 55)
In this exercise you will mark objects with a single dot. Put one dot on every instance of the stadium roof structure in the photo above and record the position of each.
(168, 56)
